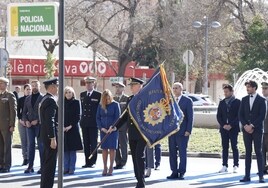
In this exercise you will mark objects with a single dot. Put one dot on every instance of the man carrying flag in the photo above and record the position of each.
(152, 115)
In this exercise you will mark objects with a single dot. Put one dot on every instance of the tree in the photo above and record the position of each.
(254, 53)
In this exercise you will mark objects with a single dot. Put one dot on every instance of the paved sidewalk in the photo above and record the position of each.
(201, 173)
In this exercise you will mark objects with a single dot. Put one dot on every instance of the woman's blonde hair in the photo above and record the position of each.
(69, 88)
(106, 93)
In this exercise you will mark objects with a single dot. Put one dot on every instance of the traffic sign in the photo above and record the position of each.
(35, 20)
(4, 57)
(188, 57)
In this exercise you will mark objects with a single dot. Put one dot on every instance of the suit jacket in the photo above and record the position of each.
(186, 105)
(123, 101)
(254, 116)
(89, 108)
(8, 110)
(48, 110)
(229, 116)
(30, 113)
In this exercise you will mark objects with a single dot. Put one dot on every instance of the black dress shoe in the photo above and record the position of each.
(118, 167)
(261, 180)
(173, 176)
(245, 179)
(86, 166)
(157, 167)
(39, 171)
(25, 162)
(28, 170)
(5, 170)
(181, 176)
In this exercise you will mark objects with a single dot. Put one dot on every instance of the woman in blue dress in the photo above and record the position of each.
(107, 114)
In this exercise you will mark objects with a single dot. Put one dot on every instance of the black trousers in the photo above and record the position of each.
(48, 166)
(226, 137)
(137, 148)
(90, 140)
(255, 137)
(265, 150)
(121, 152)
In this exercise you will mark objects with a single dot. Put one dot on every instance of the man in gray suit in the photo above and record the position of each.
(121, 152)
(8, 111)
(265, 131)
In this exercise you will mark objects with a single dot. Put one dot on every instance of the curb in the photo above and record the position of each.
(189, 154)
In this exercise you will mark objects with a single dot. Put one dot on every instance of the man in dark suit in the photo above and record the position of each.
(227, 116)
(265, 129)
(48, 113)
(31, 119)
(8, 110)
(121, 152)
(136, 142)
(251, 115)
(90, 100)
(16, 92)
(179, 141)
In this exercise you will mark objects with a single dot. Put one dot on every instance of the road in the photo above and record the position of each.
(201, 173)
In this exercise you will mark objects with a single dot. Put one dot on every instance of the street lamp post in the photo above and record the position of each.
(207, 25)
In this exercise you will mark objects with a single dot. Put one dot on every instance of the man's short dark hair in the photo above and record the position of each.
(252, 84)
(229, 87)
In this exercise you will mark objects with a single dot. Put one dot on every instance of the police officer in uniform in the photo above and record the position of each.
(136, 142)
(121, 152)
(90, 100)
(8, 109)
(48, 114)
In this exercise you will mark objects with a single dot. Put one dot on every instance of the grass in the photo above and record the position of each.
(201, 140)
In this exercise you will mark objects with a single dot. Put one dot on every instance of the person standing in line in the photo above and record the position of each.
(16, 92)
(8, 110)
(31, 118)
(122, 150)
(90, 100)
(179, 140)
(251, 115)
(136, 142)
(27, 89)
(48, 110)
(227, 116)
(157, 153)
(107, 114)
(72, 139)
(265, 131)
(149, 161)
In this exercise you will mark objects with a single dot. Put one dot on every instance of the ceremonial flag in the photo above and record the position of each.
(154, 111)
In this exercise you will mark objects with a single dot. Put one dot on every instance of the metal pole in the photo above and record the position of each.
(61, 94)
(206, 58)
(5, 67)
(187, 72)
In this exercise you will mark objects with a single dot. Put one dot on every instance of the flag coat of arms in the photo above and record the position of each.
(154, 110)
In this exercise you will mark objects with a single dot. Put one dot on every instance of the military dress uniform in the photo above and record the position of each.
(48, 114)
(265, 132)
(136, 142)
(122, 152)
(88, 124)
(8, 111)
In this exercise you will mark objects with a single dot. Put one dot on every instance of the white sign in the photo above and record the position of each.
(188, 57)
(3, 57)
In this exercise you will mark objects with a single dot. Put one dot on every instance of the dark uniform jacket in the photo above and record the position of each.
(265, 129)
(89, 108)
(48, 117)
(8, 110)
(133, 132)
